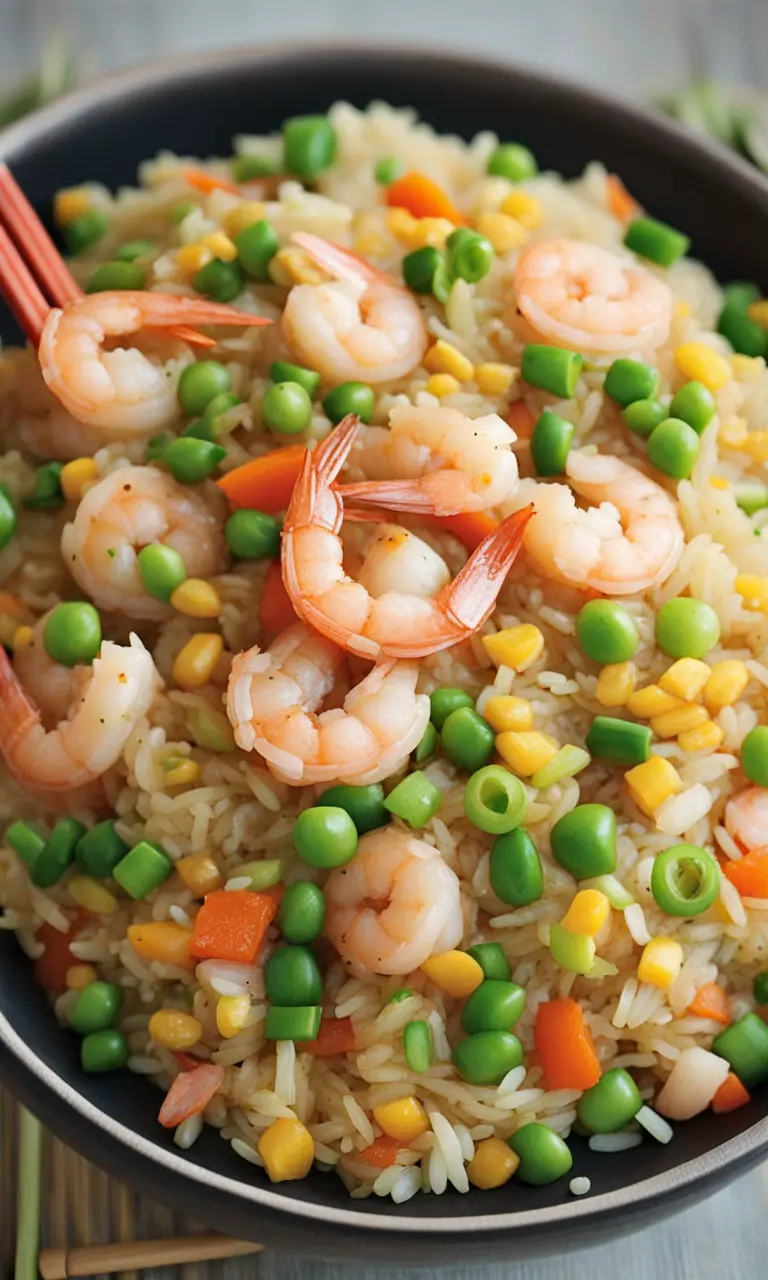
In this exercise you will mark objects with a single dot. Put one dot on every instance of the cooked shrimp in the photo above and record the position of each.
(746, 817)
(578, 295)
(81, 748)
(123, 392)
(394, 905)
(274, 704)
(399, 624)
(630, 542)
(436, 460)
(33, 419)
(362, 325)
(128, 510)
(51, 686)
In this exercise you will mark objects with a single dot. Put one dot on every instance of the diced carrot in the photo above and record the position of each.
(266, 484)
(276, 611)
(190, 1092)
(520, 419)
(564, 1045)
(423, 198)
(12, 604)
(203, 181)
(186, 1063)
(750, 873)
(382, 1152)
(622, 205)
(231, 926)
(336, 1035)
(730, 1096)
(51, 967)
(712, 1002)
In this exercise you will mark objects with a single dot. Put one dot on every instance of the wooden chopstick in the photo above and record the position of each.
(28, 1211)
(104, 1259)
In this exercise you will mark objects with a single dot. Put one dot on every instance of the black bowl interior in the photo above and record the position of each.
(195, 108)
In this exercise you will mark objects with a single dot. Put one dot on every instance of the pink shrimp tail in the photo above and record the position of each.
(396, 495)
(313, 500)
(165, 311)
(17, 711)
(471, 597)
(341, 263)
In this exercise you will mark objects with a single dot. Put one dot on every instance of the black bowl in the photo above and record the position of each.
(194, 107)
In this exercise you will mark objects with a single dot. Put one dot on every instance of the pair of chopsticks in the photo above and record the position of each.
(98, 1259)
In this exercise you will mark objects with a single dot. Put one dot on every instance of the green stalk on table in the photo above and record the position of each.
(28, 1196)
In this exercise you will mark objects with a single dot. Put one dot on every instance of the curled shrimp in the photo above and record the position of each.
(128, 510)
(81, 748)
(274, 700)
(31, 417)
(122, 391)
(51, 686)
(578, 295)
(362, 325)
(394, 905)
(630, 542)
(436, 460)
(396, 623)
(746, 817)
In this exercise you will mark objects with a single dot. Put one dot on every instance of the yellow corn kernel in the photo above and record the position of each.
(197, 599)
(192, 257)
(697, 361)
(504, 233)
(22, 638)
(455, 972)
(615, 684)
(651, 701)
(195, 663)
(292, 265)
(232, 1015)
(445, 358)
(243, 215)
(220, 246)
(494, 379)
(747, 368)
(753, 591)
(443, 384)
(504, 712)
(525, 753)
(703, 738)
(163, 941)
(755, 445)
(430, 231)
(725, 685)
(92, 896)
(404, 1119)
(76, 475)
(371, 245)
(680, 720)
(685, 678)
(492, 1165)
(200, 874)
(587, 913)
(516, 647)
(719, 482)
(524, 207)
(661, 962)
(79, 976)
(400, 224)
(758, 311)
(287, 1149)
(175, 1029)
(71, 203)
(182, 774)
(733, 433)
(652, 783)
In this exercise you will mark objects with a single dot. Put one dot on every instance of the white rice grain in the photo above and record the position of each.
(406, 1186)
(187, 1133)
(635, 919)
(613, 1142)
(359, 1118)
(655, 1125)
(285, 1072)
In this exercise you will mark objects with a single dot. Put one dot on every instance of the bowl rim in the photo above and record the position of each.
(118, 89)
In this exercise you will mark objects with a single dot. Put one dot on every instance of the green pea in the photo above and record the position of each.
(611, 1103)
(445, 700)
(745, 336)
(415, 799)
(283, 371)
(292, 977)
(156, 447)
(301, 914)
(350, 397)
(467, 739)
(214, 420)
(551, 444)
(554, 369)
(544, 1156)
(116, 275)
(644, 416)
(485, 1058)
(200, 383)
(492, 960)
(398, 996)
(161, 569)
(47, 495)
(287, 408)
(442, 281)
(754, 756)
(253, 535)
(26, 840)
(694, 404)
(249, 168)
(495, 1005)
(222, 281)
(428, 744)
(673, 448)
(630, 380)
(515, 869)
(181, 211)
(143, 869)
(495, 800)
(103, 1051)
(469, 256)
(513, 161)
(419, 268)
(574, 952)
(745, 1046)
(293, 1022)
(325, 836)
(8, 519)
(190, 461)
(256, 247)
(759, 987)
(365, 805)
(72, 633)
(584, 841)
(685, 880)
(310, 146)
(387, 170)
(687, 628)
(83, 232)
(133, 249)
(95, 1008)
(58, 853)
(656, 241)
(100, 850)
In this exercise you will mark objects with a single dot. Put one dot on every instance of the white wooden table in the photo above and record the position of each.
(628, 46)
